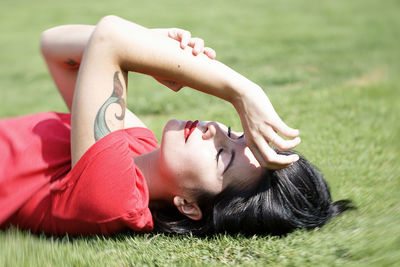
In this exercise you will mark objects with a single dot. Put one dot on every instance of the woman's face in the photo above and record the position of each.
(206, 157)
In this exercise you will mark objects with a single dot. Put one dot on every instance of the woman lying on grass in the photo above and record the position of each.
(99, 170)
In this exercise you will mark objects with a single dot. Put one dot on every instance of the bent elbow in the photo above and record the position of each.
(105, 29)
(45, 40)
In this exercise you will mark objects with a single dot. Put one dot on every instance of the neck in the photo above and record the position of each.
(149, 165)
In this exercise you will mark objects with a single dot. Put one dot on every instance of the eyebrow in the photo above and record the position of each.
(230, 162)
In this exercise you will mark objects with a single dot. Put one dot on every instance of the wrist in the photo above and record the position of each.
(241, 90)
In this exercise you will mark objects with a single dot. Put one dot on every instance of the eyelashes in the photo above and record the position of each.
(229, 133)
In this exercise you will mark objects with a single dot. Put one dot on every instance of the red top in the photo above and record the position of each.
(104, 193)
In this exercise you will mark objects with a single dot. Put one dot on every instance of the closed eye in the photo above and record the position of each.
(230, 161)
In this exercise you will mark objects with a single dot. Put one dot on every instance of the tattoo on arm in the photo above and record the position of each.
(101, 128)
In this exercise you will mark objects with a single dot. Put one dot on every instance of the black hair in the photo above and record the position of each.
(296, 197)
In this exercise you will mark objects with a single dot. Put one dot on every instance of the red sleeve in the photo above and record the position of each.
(105, 185)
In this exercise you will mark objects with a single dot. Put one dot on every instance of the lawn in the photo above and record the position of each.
(331, 69)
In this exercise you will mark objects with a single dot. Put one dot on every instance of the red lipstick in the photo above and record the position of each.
(189, 128)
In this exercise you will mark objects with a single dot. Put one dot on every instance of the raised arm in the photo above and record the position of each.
(117, 46)
(62, 48)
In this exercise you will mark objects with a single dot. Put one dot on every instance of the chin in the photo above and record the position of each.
(173, 125)
(171, 132)
(171, 144)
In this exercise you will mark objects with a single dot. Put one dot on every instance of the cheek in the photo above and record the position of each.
(175, 162)
(202, 170)
(195, 165)
(171, 163)
(189, 165)
(192, 170)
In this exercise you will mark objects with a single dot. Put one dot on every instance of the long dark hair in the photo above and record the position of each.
(282, 201)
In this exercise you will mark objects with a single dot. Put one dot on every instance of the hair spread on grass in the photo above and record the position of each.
(296, 197)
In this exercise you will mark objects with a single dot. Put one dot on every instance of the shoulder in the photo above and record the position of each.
(105, 183)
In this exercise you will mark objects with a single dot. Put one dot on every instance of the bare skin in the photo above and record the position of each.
(99, 98)
(130, 47)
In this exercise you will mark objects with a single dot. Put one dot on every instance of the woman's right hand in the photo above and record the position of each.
(185, 39)
(262, 126)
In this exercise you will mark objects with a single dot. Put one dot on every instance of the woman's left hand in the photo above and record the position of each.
(186, 40)
(262, 126)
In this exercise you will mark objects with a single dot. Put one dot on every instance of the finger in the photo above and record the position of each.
(173, 34)
(285, 130)
(277, 161)
(198, 45)
(210, 52)
(268, 158)
(184, 37)
(281, 143)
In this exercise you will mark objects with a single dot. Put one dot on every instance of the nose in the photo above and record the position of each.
(210, 131)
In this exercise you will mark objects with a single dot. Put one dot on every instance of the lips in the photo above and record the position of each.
(189, 128)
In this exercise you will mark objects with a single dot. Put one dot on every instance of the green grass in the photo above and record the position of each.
(329, 67)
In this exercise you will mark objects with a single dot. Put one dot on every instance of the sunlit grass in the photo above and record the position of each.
(329, 67)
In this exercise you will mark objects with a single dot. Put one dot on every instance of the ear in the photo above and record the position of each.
(191, 210)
